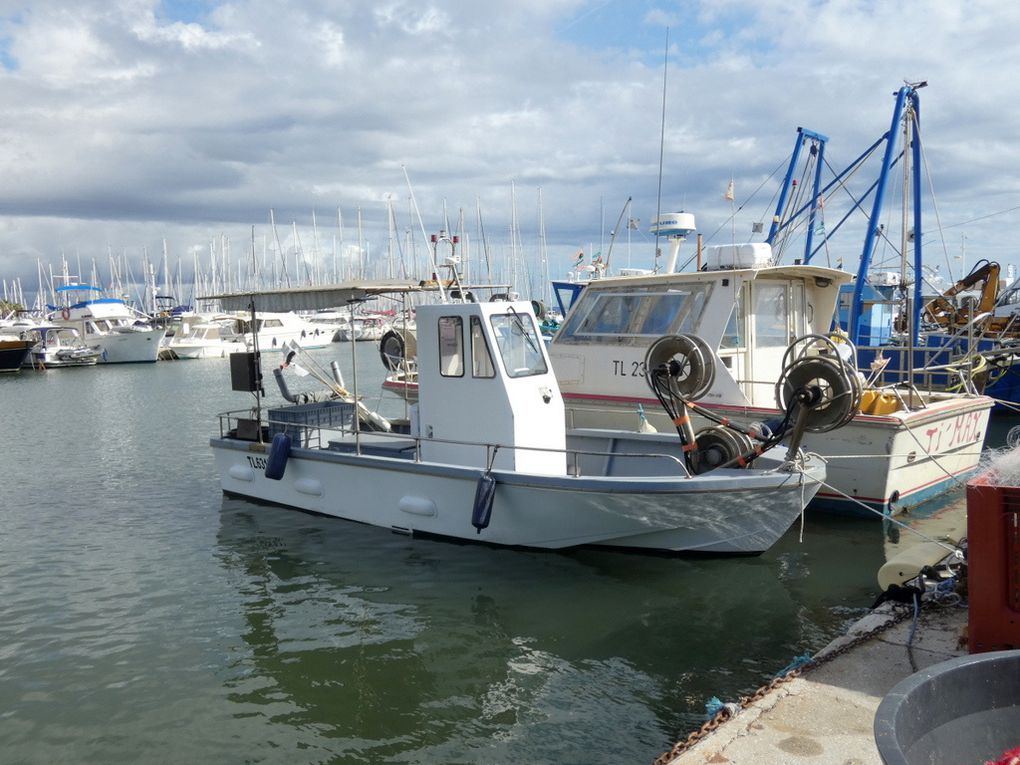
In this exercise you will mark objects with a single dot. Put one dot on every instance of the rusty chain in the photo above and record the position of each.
(898, 615)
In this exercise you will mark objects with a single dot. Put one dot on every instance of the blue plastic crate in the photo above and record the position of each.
(294, 420)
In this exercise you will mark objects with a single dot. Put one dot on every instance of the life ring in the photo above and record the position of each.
(65, 313)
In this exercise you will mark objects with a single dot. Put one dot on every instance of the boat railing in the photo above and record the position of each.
(243, 425)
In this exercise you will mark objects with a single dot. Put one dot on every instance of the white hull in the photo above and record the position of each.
(307, 339)
(403, 386)
(912, 456)
(205, 350)
(130, 347)
(57, 360)
(717, 513)
(374, 334)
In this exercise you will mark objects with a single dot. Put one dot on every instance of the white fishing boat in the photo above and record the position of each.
(904, 447)
(484, 371)
(120, 334)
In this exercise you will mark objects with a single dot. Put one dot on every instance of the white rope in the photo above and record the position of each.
(803, 504)
(935, 459)
(1012, 405)
(885, 517)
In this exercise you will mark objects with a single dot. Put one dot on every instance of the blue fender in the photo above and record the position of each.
(278, 454)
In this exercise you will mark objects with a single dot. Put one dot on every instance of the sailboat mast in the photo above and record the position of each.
(391, 235)
(543, 253)
(279, 250)
(361, 247)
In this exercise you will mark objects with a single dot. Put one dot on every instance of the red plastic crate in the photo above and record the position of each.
(993, 565)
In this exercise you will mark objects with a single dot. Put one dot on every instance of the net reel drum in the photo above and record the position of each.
(814, 363)
(681, 369)
(720, 446)
(685, 364)
(818, 388)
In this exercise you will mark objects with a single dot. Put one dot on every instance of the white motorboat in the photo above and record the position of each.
(202, 338)
(56, 347)
(904, 447)
(120, 334)
(278, 329)
(484, 371)
(364, 327)
(332, 321)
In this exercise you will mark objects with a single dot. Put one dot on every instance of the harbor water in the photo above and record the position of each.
(148, 618)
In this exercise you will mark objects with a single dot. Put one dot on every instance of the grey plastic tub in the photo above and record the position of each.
(965, 710)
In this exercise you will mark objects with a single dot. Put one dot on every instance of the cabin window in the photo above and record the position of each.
(799, 325)
(733, 336)
(519, 344)
(481, 358)
(772, 315)
(451, 346)
(635, 315)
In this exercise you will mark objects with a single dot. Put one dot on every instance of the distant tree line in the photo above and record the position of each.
(7, 307)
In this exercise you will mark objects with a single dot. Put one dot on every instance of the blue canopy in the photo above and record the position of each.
(72, 287)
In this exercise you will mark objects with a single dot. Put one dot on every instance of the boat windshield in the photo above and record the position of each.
(519, 344)
(633, 315)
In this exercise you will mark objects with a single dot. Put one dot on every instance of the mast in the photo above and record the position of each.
(513, 236)
(361, 247)
(340, 229)
(817, 150)
(915, 115)
(856, 307)
(279, 249)
(465, 248)
(543, 253)
(425, 236)
(662, 145)
(316, 279)
(481, 235)
(391, 234)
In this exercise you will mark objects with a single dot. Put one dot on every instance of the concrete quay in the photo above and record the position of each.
(825, 715)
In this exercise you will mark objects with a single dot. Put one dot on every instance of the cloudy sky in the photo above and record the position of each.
(130, 122)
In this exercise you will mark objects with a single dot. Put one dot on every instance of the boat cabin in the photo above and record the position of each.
(484, 375)
(748, 315)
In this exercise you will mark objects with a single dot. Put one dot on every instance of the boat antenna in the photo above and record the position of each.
(353, 302)
(259, 391)
(662, 144)
(615, 231)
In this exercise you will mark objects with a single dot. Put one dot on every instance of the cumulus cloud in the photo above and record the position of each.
(130, 121)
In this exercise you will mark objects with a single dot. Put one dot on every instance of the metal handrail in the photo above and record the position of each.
(225, 419)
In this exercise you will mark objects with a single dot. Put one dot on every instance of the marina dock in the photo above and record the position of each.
(824, 714)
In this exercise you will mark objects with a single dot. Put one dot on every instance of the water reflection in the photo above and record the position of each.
(380, 647)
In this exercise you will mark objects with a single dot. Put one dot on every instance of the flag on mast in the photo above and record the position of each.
(729, 195)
